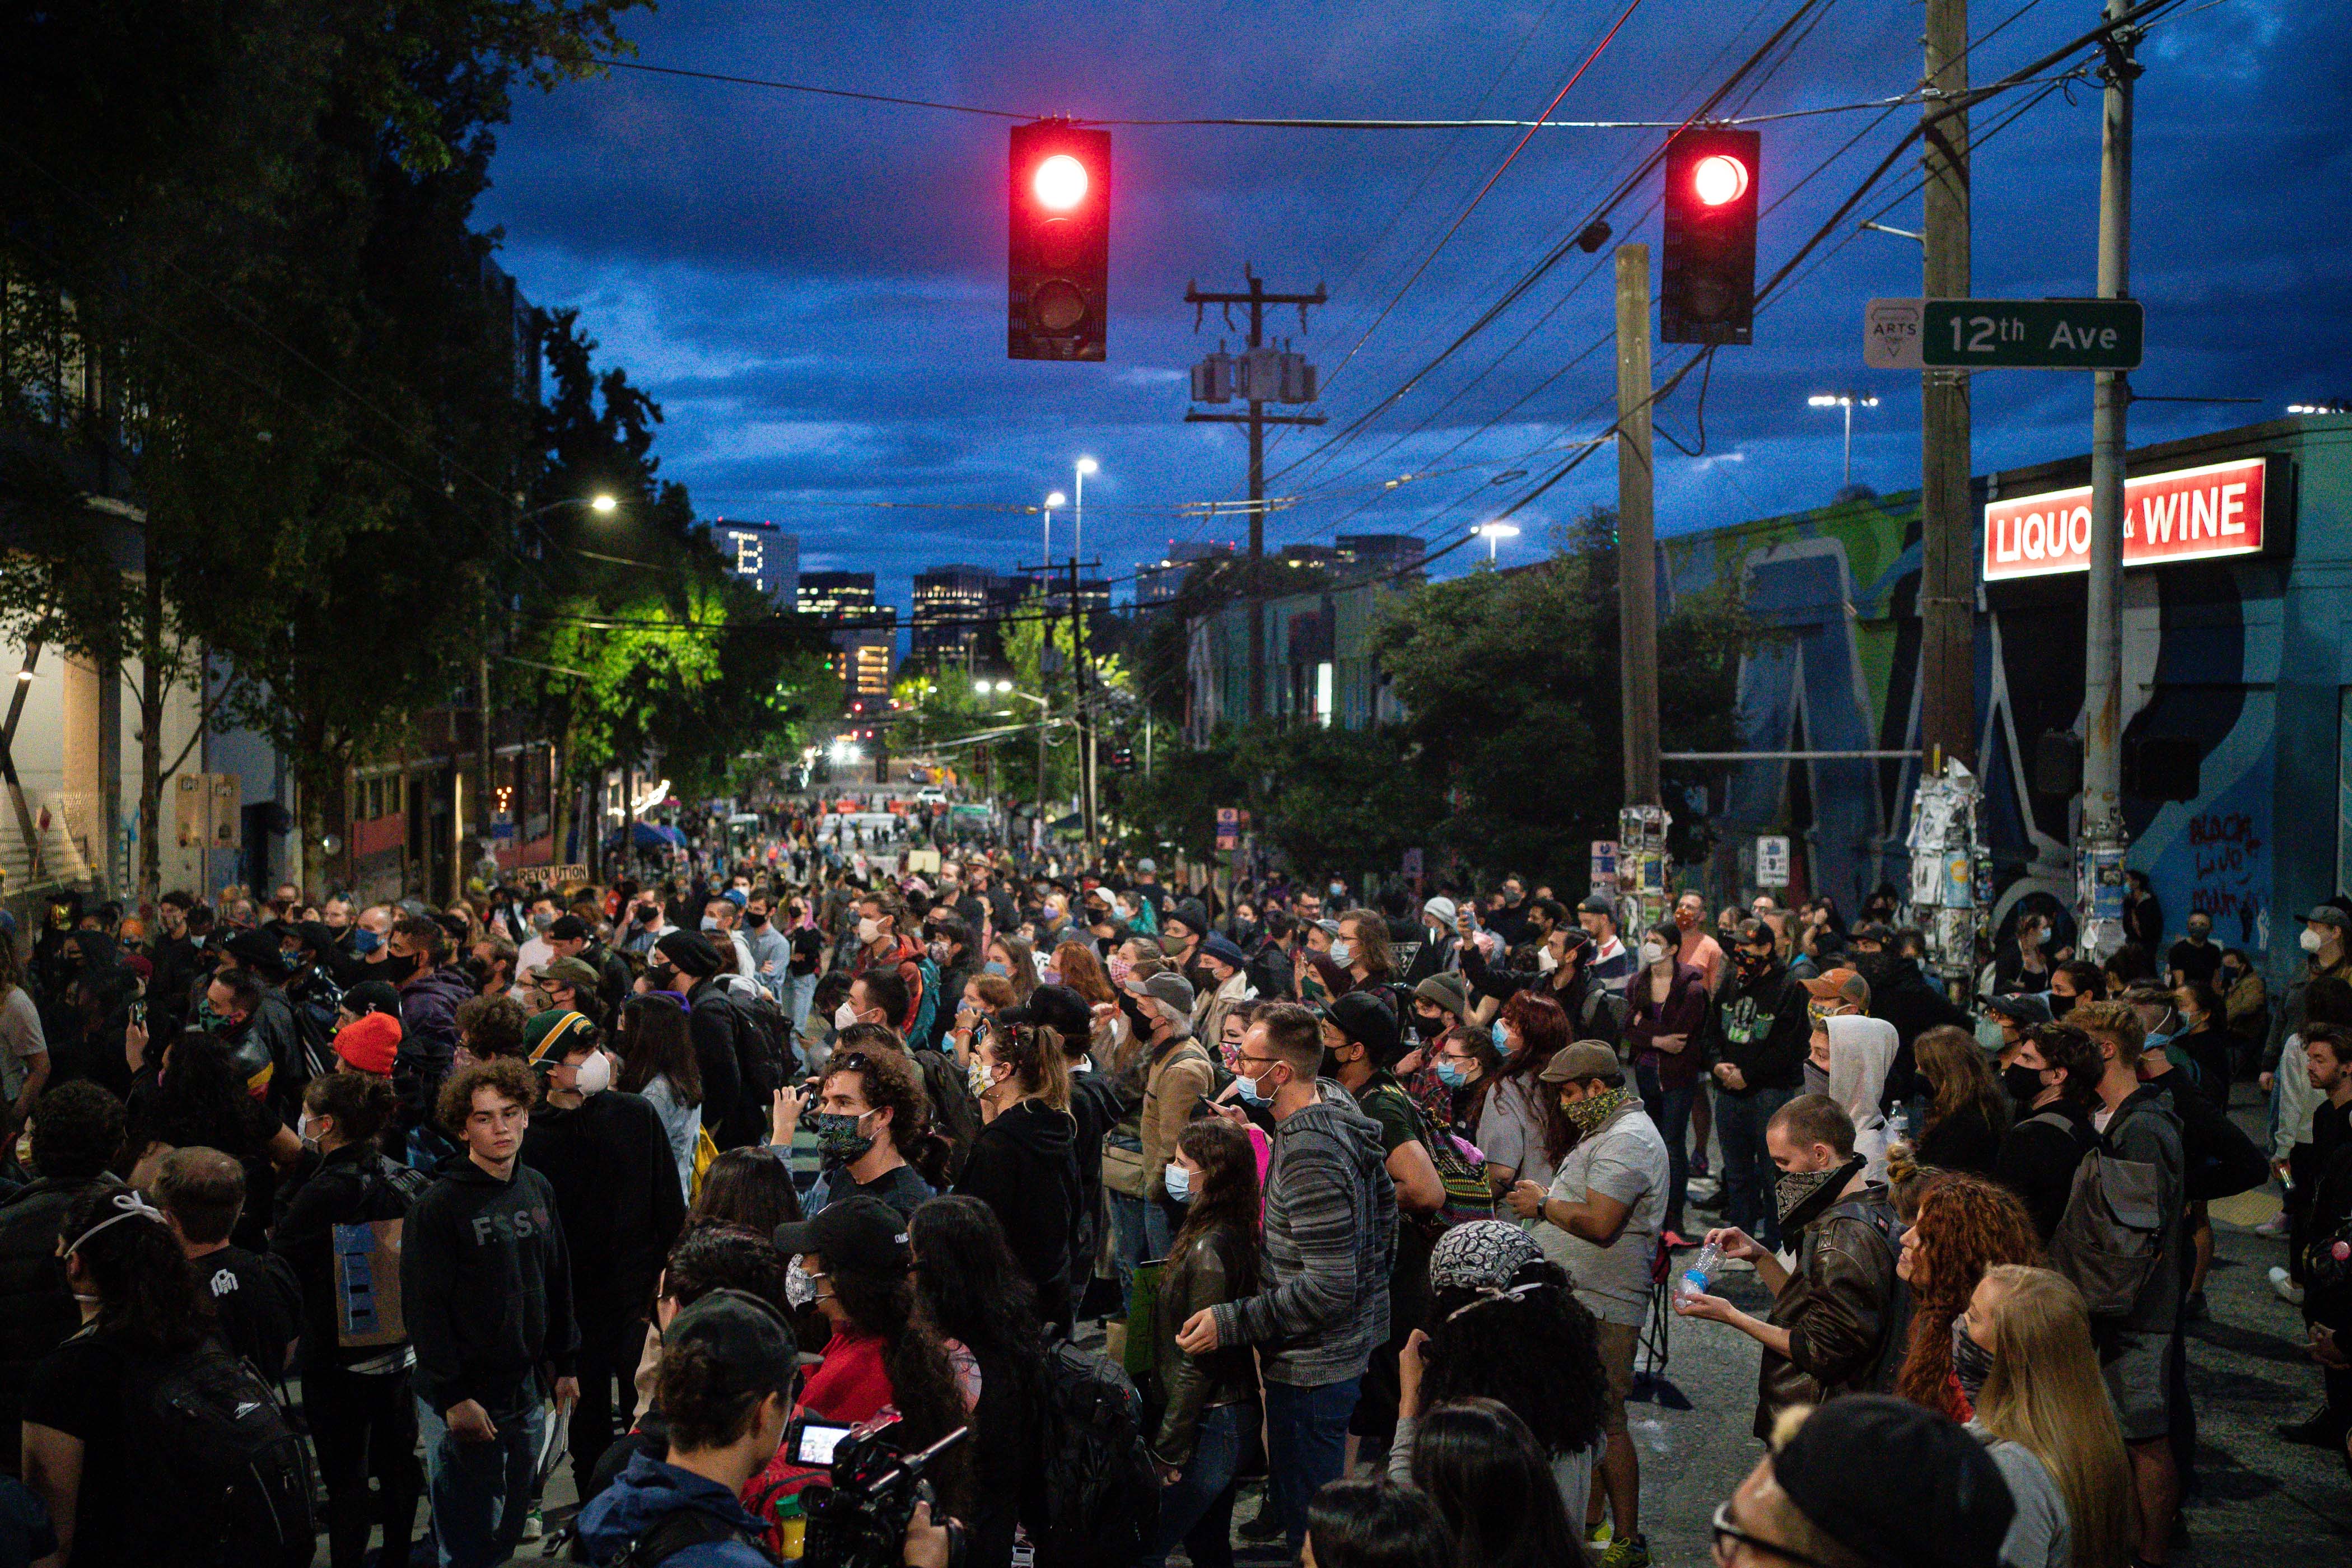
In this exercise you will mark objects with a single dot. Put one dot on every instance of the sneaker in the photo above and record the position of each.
(533, 1526)
(2193, 1310)
(2288, 1291)
(1633, 1552)
(1265, 1526)
(1701, 1186)
(1601, 1534)
(2277, 1224)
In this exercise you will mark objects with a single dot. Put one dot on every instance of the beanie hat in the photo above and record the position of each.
(551, 1037)
(370, 1042)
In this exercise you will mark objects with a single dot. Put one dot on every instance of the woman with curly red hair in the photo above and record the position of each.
(1964, 1226)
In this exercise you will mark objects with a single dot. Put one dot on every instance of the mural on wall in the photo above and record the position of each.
(1835, 591)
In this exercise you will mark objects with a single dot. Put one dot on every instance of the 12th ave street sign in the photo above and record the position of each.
(2031, 334)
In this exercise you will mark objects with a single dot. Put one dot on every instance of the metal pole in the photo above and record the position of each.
(1637, 589)
(2101, 834)
(1077, 516)
(1845, 480)
(1947, 521)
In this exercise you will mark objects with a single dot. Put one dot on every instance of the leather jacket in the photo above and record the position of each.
(1194, 1385)
(1846, 1312)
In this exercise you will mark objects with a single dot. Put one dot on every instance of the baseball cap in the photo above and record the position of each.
(2328, 915)
(2027, 1007)
(1057, 1007)
(1845, 985)
(1896, 1483)
(371, 996)
(1752, 931)
(369, 1042)
(568, 971)
(1148, 867)
(752, 1350)
(1884, 935)
(567, 928)
(860, 1233)
(1172, 991)
(1365, 1019)
(550, 1037)
(1581, 1060)
(1594, 904)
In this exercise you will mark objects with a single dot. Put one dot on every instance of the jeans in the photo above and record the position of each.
(1139, 1233)
(1750, 1177)
(1306, 1447)
(1198, 1509)
(364, 1423)
(481, 1492)
(1671, 1110)
(800, 990)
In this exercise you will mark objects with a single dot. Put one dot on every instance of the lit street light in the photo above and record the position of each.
(1052, 501)
(2336, 407)
(1079, 512)
(1494, 533)
(1849, 401)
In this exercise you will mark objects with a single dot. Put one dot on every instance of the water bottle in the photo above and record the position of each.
(1898, 1124)
(1703, 1270)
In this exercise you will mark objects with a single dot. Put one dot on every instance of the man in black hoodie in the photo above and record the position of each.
(1905, 998)
(684, 961)
(617, 1192)
(485, 1286)
(1754, 1043)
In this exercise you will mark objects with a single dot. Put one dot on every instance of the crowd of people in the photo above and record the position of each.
(1121, 1201)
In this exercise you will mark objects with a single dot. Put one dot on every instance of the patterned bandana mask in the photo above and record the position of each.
(1593, 1110)
(1803, 1195)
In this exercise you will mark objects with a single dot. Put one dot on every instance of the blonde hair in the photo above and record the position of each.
(2045, 1395)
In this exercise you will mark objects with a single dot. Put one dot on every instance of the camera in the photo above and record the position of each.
(860, 1519)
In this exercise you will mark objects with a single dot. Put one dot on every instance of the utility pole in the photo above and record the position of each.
(2101, 833)
(1080, 679)
(1947, 533)
(1637, 586)
(1261, 366)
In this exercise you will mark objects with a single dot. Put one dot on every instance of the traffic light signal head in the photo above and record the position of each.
(1058, 250)
(1707, 291)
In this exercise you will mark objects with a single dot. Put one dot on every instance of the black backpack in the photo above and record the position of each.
(955, 1114)
(216, 1455)
(1102, 1494)
(763, 1050)
(682, 1532)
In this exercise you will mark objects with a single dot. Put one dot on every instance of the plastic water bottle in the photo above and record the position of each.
(1703, 1270)
(1898, 1124)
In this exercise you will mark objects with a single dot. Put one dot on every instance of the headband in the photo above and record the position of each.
(131, 1206)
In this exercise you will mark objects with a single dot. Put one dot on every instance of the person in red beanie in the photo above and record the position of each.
(369, 1044)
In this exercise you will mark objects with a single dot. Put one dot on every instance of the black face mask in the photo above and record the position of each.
(2061, 1004)
(396, 968)
(755, 920)
(1874, 967)
(1428, 1028)
(2023, 1084)
(1751, 966)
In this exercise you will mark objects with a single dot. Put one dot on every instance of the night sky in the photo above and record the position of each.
(815, 287)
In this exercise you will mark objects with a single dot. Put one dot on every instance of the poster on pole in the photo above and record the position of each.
(1772, 860)
(227, 806)
(1229, 827)
(1604, 866)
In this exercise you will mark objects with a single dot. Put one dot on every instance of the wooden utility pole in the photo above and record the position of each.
(1947, 529)
(1257, 419)
(1637, 587)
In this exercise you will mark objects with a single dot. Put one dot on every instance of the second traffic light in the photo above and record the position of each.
(1706, 284)
(1058, 233)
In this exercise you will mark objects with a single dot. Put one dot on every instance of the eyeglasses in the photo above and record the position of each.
(1728, 1536)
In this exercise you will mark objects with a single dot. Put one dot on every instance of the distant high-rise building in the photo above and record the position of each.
(949, 621)
(836, 595)
(764, 554)
(1157, 582)
(1384, 554)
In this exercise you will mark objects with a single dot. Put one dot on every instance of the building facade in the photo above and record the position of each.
(764, 554)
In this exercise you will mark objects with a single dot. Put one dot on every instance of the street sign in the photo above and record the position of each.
(1229, 827)
(2031, 334)
(1772, 861)
(1890, 334)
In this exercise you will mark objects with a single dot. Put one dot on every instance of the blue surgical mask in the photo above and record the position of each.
(1451, 1073)
(1342, 953)
(364, 941)
(1247, 1089)
(1178, 1182)
(992, 967)
(1502, 1040)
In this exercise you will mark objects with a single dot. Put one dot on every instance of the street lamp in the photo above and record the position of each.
(600, 502)
(1052, 500)
(2335, 408)
(1849, 401)
(1078, 513)
(1494, 533)
(604, 503)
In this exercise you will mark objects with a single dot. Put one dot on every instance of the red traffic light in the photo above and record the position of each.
(1720, 178)
(1057, 234)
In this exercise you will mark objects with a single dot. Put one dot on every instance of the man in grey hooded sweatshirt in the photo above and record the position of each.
(1330, 1240)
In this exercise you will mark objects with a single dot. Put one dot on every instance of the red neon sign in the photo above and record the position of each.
(2190, 514)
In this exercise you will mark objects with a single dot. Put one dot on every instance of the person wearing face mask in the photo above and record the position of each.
(720, 916)
(2051, 1131)
(2074, 980)
(1023, 1164)
(1329, 1243)
(430, 992)
(1754, 1044)
(607, 1156)
(2022, 963)
(2016, 1015)
(1848, 1056)
(869, 1114)
(882, 945)
(1181, 931)
(1667, 1011)
(1903, 997)
(1176, 1075)
(948, 943)
(687, 966)
(1835, 1323)
(1228, 987)
(2196, 956)
(362, 1416)
(2323, 942)
(771, 950)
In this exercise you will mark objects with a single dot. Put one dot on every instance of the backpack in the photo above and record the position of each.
(216, 1455)
(680, 1532)
(1102, 1494)
(762, 1050)
(926, 1005)
(368, 1314)
(2112, 1234)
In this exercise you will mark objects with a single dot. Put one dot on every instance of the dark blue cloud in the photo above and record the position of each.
(814, 287)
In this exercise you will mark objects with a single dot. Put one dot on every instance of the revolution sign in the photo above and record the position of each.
(2190, 514)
